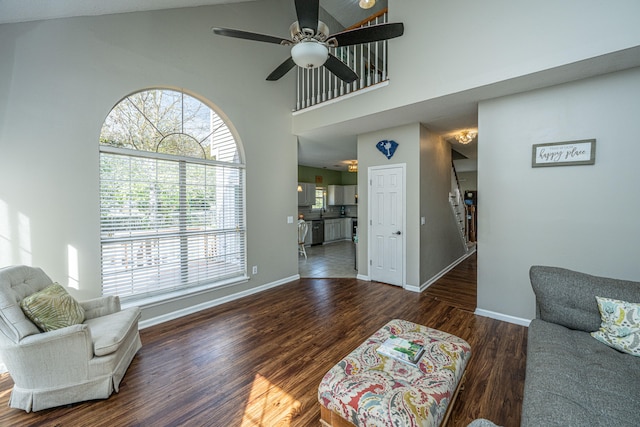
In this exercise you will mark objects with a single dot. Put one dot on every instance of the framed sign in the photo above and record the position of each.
(567, 153)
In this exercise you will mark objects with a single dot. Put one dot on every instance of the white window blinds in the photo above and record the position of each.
(167, 224)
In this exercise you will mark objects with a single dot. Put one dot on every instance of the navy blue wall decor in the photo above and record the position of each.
(388, 148)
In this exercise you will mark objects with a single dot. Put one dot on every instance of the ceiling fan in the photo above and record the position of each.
(310, 41)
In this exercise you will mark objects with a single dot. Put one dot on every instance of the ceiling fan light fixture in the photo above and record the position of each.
(353, 166)
(309, 54)
(367, 4)
(310, 41)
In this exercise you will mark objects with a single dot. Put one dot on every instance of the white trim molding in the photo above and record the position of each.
(504, 317)
(412, 288)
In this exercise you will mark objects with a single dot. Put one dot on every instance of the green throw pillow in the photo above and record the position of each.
(52, 308)
(620, 326)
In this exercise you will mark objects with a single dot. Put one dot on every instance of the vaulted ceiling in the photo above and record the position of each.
(346, 12)
(35, 10)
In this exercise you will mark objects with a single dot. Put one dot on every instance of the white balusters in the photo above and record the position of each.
(369, 61)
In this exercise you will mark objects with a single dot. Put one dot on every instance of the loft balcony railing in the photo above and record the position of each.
(368, 60)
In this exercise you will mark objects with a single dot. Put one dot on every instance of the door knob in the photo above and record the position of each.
(397, 233)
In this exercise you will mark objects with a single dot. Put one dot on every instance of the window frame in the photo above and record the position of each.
(324, 199)
(238, 213)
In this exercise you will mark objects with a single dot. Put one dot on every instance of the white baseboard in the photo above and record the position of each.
(208, 304)
(504, 317)
(363, 277)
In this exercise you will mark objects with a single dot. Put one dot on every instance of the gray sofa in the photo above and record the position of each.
(571, 378)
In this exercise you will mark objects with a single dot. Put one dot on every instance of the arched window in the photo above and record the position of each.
(172, 185)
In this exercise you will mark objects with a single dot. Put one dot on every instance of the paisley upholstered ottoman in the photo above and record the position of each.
(369, 389)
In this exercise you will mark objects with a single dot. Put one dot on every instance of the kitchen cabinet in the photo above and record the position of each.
(350, 194)
(335, 195)
(307, 238)
(346, 228)
(306, 197)
(333, 229)
(342, 195)
(337, 229)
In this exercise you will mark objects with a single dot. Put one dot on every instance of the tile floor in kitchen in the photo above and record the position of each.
(331, 260)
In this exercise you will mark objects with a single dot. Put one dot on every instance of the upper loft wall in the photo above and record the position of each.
(458, 45)
(454, 46)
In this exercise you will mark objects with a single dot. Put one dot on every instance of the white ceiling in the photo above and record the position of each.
(35, 10)
(345, 12)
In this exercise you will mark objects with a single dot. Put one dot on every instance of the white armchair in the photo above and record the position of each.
(76, 363)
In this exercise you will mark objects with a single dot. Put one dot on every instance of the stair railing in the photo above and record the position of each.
(459, 207)
(368, 60)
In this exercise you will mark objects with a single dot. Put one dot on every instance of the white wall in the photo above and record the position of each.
(60, 78)
(578, 217)
(440, 241)
(407, 153)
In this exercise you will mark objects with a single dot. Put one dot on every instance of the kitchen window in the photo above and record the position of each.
(321, 196)
(172, 186)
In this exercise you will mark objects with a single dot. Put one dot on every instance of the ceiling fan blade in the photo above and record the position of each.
(307, 11)
(251, 36)
(281, 70)
(372, 33)
(340, 69)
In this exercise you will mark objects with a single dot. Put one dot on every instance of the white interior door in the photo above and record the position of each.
(386, 227)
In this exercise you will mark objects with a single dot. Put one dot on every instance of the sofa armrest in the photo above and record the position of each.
(101, 306)
(568, 298)
(50, 358)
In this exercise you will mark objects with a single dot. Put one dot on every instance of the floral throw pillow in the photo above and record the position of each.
(620, 326)
(52, 308)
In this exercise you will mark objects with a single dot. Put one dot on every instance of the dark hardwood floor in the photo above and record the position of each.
(258, 361)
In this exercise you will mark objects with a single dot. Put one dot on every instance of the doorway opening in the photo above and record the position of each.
(332, 260)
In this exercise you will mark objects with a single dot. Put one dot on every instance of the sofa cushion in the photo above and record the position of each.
(568, 297)
(620, 328)
(52, 308)
(573, 380)
(108, 332)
